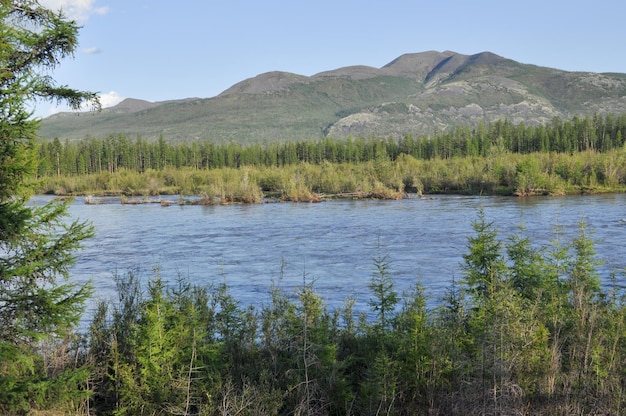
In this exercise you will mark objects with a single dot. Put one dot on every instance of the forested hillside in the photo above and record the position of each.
(415, 94)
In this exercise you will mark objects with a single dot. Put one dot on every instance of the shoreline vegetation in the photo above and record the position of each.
(581, 156)
(503, 174)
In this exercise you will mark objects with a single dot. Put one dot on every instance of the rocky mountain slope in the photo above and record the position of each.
(416, 94)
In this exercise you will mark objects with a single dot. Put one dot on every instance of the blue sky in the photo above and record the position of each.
(153, 50)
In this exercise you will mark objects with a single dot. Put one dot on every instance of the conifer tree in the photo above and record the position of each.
(36, 245)
(385, 297)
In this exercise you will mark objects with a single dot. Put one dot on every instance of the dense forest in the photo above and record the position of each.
(116, 152)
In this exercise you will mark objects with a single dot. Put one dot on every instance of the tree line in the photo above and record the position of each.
(118, 152)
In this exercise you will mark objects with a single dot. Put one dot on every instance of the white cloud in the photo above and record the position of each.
(79, 10)
(109, 99)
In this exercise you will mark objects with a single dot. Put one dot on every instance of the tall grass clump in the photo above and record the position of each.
(231, 186)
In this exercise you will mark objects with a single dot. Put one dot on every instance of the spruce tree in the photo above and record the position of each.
(36, 245)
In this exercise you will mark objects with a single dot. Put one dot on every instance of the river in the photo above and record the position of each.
(330, 245)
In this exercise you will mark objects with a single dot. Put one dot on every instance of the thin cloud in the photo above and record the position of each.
(101, 10)
(78, 10)
(92, 51)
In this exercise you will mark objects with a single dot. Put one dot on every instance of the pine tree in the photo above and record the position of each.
(36, 245)
(484, 264)
(385, 297)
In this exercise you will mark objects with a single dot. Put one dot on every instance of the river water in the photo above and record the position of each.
(330, 245)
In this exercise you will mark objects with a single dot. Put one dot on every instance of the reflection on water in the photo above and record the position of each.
(330, 244)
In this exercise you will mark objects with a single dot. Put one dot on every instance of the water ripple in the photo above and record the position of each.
(331, 244)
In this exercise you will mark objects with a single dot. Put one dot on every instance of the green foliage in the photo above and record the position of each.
(115, 152)
(527, 267)
(485, 268)
(313, 170)
(385, 298)
(36, 245)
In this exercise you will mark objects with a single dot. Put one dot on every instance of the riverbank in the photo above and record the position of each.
(499, 174)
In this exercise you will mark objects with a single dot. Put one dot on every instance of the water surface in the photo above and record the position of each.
(330, 245)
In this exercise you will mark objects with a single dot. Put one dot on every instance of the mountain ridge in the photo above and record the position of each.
(415, 93)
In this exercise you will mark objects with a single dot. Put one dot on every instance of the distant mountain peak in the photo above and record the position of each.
(267, 82)
(130, 105)
(416, 93)
(418, 64)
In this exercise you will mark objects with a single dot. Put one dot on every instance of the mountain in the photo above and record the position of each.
(418, 94)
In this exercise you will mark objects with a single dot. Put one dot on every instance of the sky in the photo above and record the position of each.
(155, 50)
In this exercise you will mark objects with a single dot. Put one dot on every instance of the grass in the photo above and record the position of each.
(499, 174)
